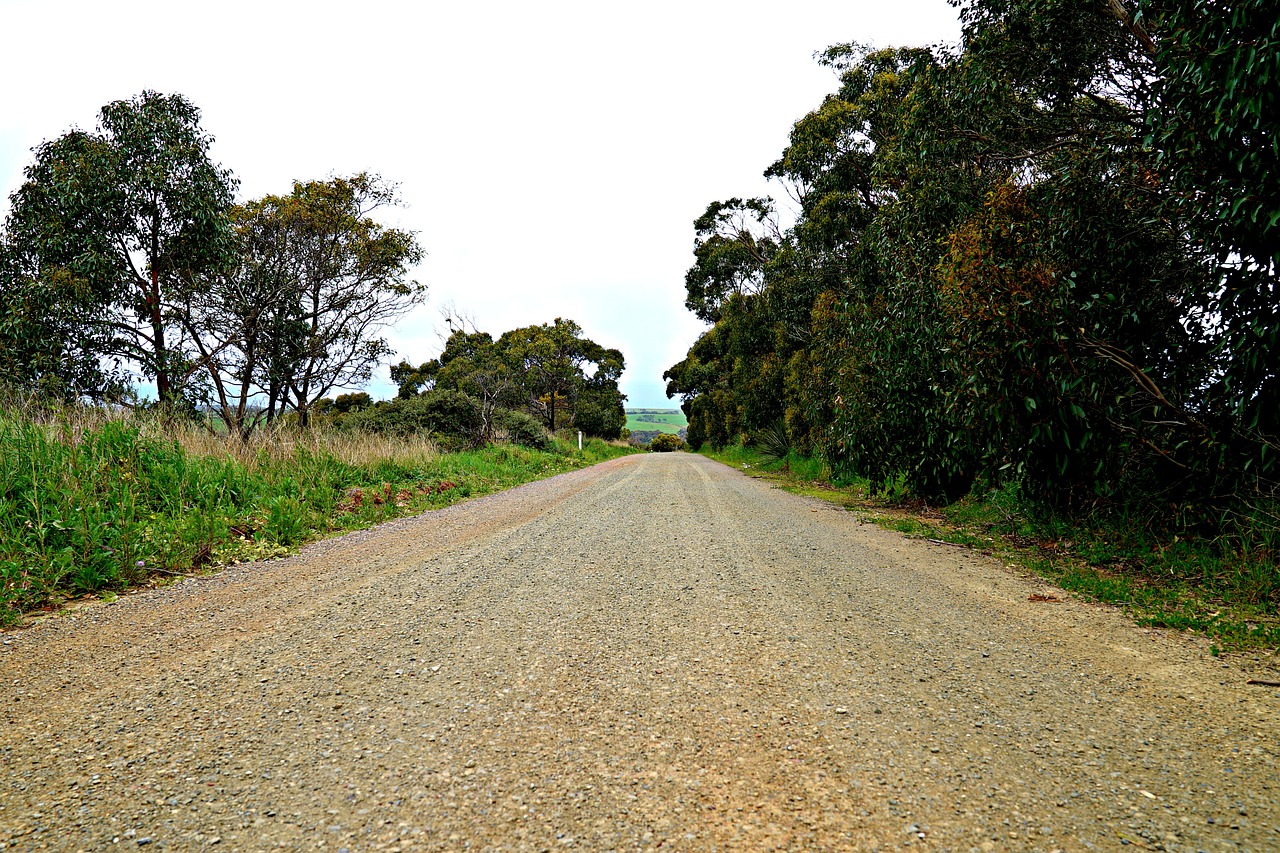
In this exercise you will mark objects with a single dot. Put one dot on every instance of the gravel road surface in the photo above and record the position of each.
(657, 652)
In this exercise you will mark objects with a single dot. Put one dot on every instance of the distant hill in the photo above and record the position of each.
(656, 420)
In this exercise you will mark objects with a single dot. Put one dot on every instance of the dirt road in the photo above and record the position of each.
(655, 652)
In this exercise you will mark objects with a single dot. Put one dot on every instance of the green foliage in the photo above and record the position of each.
(91, 504)
(523, 429)
(344, 403)
(551, 371)
(50, 340)
(600, 415)
(1044, 257)
(452, 417)
(665, 442)
(1213, 120)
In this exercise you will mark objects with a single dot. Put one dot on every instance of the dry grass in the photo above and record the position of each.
(267, 447)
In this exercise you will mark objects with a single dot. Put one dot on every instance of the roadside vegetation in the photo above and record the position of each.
(1043, 265)
(665, 442)
(128, 267)
(1221, 586)
(93, 502)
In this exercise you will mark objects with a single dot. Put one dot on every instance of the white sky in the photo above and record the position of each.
(552, 156)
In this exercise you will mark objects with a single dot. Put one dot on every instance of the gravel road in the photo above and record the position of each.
(655, 652)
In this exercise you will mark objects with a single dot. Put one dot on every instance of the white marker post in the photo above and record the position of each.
(579, 439)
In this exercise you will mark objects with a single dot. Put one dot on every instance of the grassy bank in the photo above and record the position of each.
(1226, 587)
(93, 503)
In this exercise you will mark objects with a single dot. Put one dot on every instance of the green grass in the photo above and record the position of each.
(662, 420)
(1226, 587)
(95, 504)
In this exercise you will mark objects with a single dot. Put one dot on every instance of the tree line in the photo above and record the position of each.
(1048, 254)
(124, 257)
(550, 371)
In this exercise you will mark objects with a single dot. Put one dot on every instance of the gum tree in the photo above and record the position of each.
(129, 216)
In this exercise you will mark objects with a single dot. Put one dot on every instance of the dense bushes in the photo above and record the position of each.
(523, 429)
(666, 443)
(453, 418)
(605, 418)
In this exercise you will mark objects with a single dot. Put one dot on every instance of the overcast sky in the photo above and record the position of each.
(552, 156)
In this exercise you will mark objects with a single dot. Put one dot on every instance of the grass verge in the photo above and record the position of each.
(93, 503)
(1225, 588)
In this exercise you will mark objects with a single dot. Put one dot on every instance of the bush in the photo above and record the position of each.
(665, 443)
(522, 429)
(449, 415)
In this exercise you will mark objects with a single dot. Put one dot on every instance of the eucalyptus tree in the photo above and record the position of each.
(550, 370)
(317, 280)
(50, 342)
(128, 217)
(552, 359)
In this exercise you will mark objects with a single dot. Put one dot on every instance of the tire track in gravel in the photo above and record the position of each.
(656, 652)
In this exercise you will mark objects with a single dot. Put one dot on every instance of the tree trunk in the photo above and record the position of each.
(164, 391)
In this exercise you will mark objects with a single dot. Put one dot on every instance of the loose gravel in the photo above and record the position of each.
(654, 652)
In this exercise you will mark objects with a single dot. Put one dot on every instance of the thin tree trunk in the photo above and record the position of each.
(163, 389)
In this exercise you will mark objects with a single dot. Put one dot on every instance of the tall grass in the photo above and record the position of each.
(94, 500)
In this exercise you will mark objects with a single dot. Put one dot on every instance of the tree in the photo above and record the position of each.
(472, 364)
(1214, 119)
(50, 343)
(299, 315)
(129, 217)
(734, 243)
(546, 369)
(551, 359)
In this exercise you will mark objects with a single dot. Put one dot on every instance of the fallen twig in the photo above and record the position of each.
(1262, 683)
(944, 542)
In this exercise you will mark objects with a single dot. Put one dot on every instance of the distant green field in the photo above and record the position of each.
(664, 420)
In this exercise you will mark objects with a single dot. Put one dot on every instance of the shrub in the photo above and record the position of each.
(665, 443)
(522, 429)
(449, 415)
